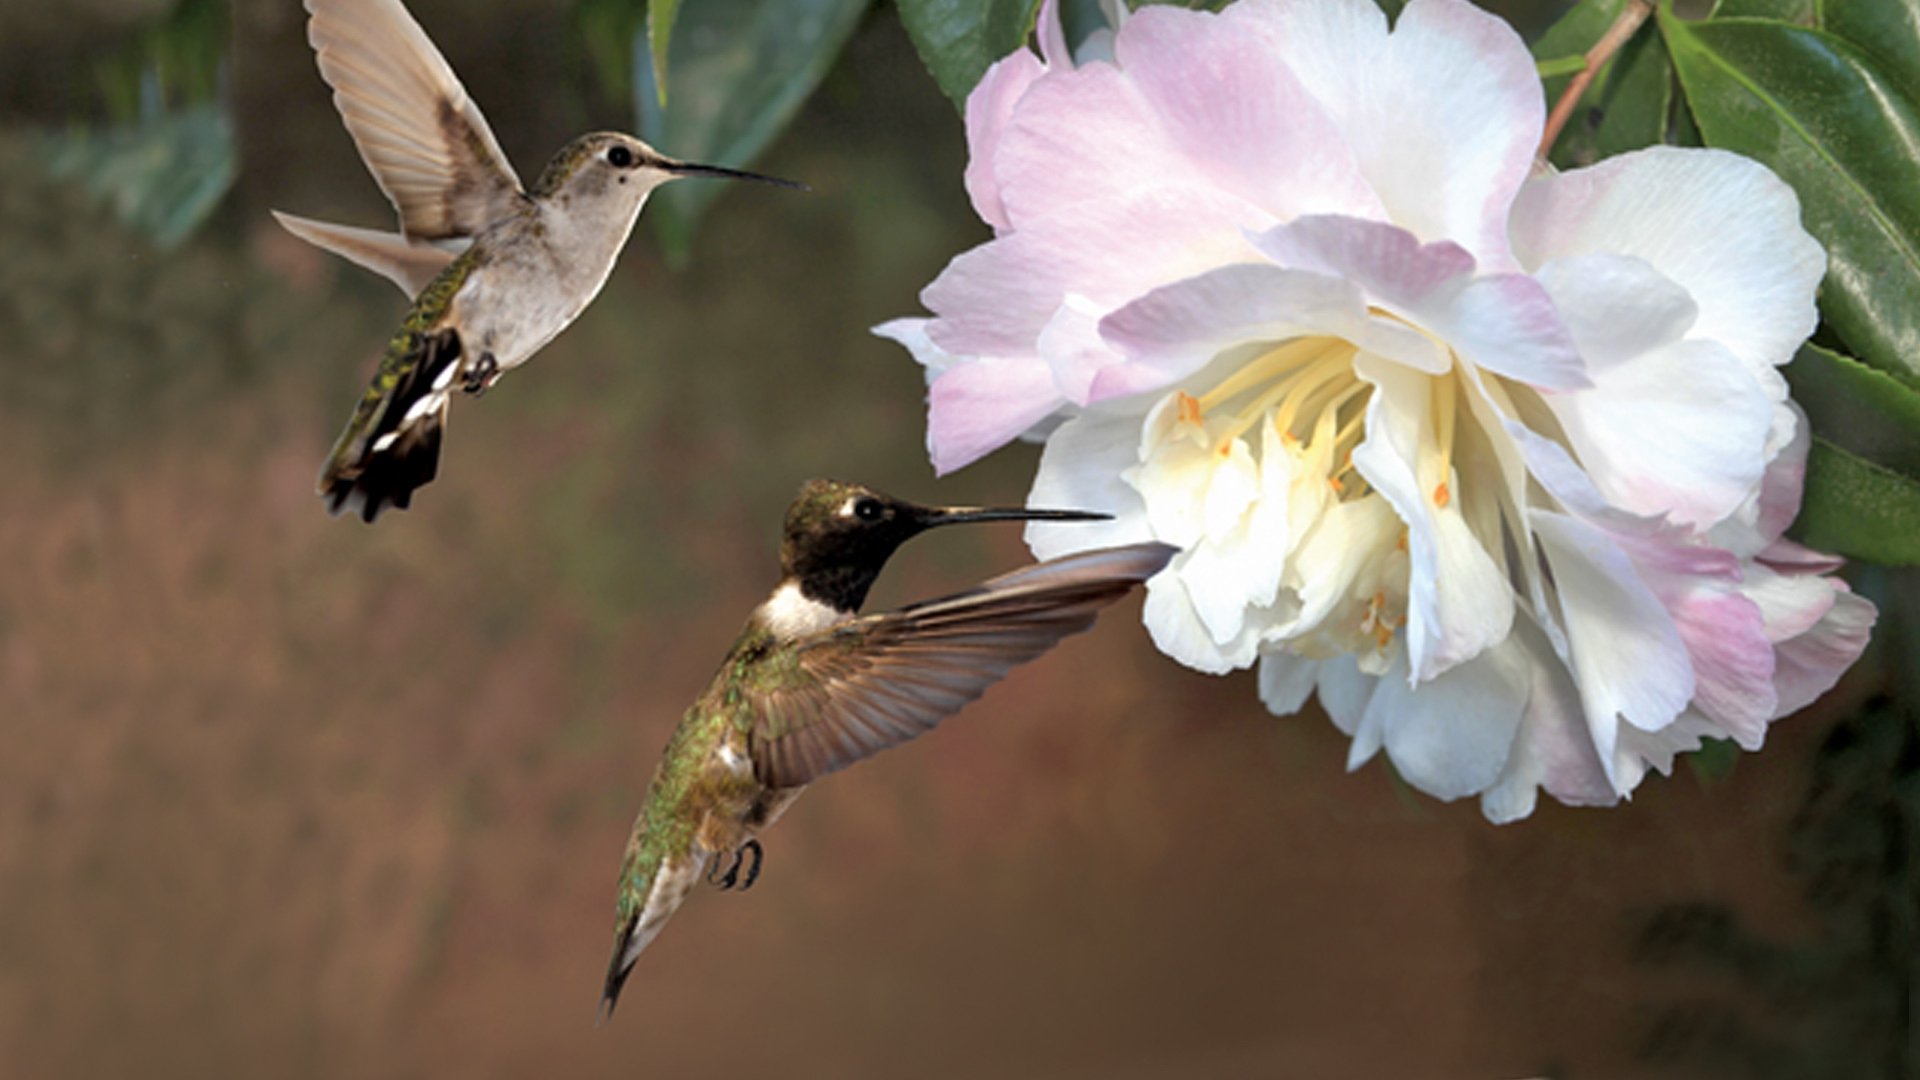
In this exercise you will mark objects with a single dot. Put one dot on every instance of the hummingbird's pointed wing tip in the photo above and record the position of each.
(425, 141)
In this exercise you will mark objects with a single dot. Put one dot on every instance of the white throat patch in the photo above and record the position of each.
(792, 613)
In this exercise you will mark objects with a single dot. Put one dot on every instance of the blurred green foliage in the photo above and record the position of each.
(164, 156)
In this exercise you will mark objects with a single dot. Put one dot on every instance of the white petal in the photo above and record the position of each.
(1286, 681)
(912, 333)
(1718, 225)
(1450, 736)
(1616, 306)
(1176, 628)
(1459, 599)
(1679, 432)
(1080, 469)
(1344, 691)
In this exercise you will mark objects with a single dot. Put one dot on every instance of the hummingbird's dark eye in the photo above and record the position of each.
(867, 509)
(620, 157)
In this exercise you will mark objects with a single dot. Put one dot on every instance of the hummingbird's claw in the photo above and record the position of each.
(483, 374)
(753, 873)
(727, 880)
(731, 878)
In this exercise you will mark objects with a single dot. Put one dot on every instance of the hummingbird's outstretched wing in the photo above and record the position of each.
(880, 680)
(421, 136)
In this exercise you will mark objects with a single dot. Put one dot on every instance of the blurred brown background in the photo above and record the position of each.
(288, 796)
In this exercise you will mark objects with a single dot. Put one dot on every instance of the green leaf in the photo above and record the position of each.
(741, 70)
(1887, 30)
(1804, 12)
(660, 18)
(1630, 101)
(606, 29)
(1562, 67)
(959, 39)
(1713, 762)
(1863, 476)
(1820, 113)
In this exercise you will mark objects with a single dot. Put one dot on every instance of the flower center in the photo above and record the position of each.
(1307, 389)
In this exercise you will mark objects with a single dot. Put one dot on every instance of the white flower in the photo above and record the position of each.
(1497, 463)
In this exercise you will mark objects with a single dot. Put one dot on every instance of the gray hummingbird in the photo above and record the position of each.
(495, 270)
(811, 686)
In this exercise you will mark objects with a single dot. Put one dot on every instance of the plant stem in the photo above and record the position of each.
(1631, 16)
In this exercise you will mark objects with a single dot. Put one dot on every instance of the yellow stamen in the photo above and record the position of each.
(1442, 496)
(1263, 367)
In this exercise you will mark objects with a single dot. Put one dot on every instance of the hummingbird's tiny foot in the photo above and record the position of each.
(728, 879)
(479, 378)
(753, 873)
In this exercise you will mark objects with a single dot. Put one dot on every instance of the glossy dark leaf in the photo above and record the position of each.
(741, 69)
(1888, 30)
(1863, 479)
(1821, 113)
(959, 39)
(1804, 12)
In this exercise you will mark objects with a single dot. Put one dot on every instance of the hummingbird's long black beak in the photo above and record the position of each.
(931, 516)
(687, 168)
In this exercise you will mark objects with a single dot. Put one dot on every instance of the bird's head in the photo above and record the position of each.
(612, 169)
(839, 535)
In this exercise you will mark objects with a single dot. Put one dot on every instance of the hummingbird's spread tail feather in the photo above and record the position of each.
(672, 881)
(392, 444)
(407, 264)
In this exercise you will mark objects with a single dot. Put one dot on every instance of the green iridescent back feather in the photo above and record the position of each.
(660, 829)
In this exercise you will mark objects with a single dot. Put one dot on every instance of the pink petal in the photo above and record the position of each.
(1230, 104)
(1718, 225)
(977, 407)
(1628, 658)
(1505, 323)
(1073, 349)
(1083, 138)
(1733, 662)
(1053, 36)
(988, 108)
(996, 299)
(1786, 477)
(1819, 628)
(1553, 748)
(1177, 329)
(1811, 663)
(1443, 115)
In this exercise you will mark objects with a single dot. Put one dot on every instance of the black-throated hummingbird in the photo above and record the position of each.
(810, 686)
